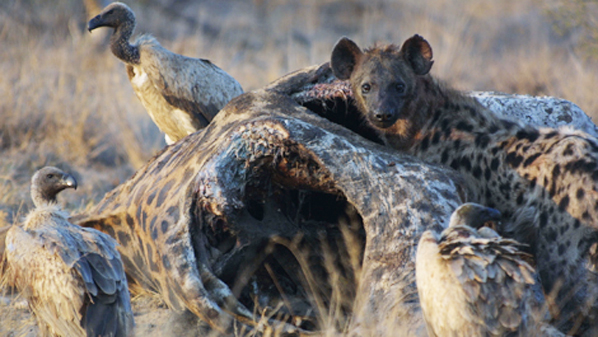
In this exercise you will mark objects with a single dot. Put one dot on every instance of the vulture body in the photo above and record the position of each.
(472, 282)
(72, 277)
(181, 94)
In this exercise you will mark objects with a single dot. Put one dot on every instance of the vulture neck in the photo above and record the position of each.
(42, 198)
(120, 46)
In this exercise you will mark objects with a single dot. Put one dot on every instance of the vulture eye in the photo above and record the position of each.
(50, 176)
(365, 88)
(110, 12)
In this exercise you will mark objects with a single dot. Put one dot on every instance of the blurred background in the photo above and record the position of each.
(65, 100)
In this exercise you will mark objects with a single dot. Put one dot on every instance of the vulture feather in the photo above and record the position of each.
(473, 282)
(72, 277)
(181, 94)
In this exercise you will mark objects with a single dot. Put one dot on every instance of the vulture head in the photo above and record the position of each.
(47, 182)
(473, 215)
(114, 15)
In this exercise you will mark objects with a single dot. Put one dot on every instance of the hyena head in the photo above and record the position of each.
(384, 79)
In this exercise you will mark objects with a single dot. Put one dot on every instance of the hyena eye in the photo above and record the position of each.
(365, 88)
(400, 87)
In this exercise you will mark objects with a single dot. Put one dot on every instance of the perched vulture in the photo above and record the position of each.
(472, 282)
(72, 277)
(181, 94)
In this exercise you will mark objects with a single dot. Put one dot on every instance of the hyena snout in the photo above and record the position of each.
(383, 114)
(382, 117)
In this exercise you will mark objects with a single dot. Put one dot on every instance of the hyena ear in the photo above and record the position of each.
(418, 53)
(345, 56)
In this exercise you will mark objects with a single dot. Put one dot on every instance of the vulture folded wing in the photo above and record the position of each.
(103, 274)
(195, 86)
(507, 302)
(104, 247)
(85, 270)
(109, 313)
(100, 319)
(54, 294)
(443, 286)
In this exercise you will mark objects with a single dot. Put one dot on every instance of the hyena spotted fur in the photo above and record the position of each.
(547, 175)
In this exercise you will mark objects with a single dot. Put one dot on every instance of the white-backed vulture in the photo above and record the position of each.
(181, 94)
(473, 282)
(72, 277)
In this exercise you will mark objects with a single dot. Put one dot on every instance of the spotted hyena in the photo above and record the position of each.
(549, 174)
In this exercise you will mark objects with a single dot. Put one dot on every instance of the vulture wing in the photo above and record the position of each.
(476, 283)
(72, 276)
(108, 312)
(497, 282)
(54, 293)
(195, 86)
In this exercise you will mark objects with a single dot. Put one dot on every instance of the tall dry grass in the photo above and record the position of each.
(66, 101)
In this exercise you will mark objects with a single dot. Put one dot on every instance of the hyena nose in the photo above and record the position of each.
(382, 116)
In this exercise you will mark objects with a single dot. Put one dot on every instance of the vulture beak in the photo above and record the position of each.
(69, 181)
(490, 214)
(94, 23)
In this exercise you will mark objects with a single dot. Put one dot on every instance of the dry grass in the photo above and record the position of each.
(66, 101)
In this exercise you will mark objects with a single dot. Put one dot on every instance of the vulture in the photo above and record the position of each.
(473, 282)
(72, 277)
(181, 94)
